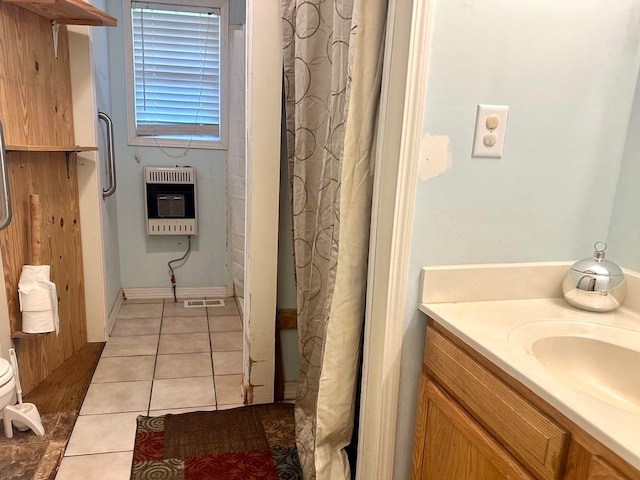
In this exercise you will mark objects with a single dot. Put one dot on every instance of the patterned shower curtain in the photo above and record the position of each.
(333, 68)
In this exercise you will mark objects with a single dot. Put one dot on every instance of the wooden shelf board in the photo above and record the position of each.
(68, 12)
(16, 335)
(49, 148)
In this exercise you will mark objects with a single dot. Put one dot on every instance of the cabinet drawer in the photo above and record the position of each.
(530, 436)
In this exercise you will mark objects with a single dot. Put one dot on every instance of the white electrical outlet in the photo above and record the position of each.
(491, 125)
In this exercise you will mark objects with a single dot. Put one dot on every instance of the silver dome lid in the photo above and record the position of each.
(598, 265)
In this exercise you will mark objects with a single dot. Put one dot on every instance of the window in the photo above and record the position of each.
(175, 73)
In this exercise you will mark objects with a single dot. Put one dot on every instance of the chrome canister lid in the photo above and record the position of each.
(598, 264)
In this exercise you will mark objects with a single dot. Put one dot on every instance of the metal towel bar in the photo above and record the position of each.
(111, 166)
(5, 219)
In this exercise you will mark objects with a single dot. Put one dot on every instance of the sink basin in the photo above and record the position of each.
(600, 360)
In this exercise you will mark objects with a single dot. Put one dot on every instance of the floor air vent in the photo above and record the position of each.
(203, 303)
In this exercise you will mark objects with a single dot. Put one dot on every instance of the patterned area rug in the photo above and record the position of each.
(256, 442)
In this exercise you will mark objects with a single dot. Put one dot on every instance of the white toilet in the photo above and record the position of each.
(7, 384)
(23, 416)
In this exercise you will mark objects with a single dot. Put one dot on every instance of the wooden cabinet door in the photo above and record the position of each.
(601, 470)
(583, 465)
(450, 445)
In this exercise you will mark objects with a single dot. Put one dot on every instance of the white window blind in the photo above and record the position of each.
(176, 60)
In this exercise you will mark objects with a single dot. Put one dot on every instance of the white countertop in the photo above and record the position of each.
(485, 325)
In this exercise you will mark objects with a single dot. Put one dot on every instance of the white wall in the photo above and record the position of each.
(109, 214)
(144, 259)
(237, 12)
(236, 183)
(286, 276)
(568, 72)
(624, 233)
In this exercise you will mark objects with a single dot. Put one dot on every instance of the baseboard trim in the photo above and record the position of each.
(290, 390)
(114, 312)
(167, 292)
(240, 305)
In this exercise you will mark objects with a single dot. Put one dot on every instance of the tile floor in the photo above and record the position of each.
(161, 358)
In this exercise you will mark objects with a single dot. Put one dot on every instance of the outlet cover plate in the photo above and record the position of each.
(489, 142)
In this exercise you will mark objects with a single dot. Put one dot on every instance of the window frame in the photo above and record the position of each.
(132, 137)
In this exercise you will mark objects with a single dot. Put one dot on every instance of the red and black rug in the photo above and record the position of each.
(256, 442)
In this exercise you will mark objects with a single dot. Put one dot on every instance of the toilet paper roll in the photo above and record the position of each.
(38, 322)
(38, 300)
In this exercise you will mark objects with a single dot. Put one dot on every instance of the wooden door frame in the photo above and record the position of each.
(89, 189)
(404, 83)
(263, 108)
(392, 217)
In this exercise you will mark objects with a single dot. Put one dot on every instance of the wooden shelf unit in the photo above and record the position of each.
(37, 116)
(67, 12)
(66, 149)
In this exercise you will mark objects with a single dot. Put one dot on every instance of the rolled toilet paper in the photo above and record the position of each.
(38, 300)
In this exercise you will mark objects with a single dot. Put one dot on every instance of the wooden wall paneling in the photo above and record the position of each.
(61, 109)
(36, 104)
(46, 174)
(36, 109)
(13, 108)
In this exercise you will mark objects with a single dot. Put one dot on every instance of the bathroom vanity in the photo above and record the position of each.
(492, 405)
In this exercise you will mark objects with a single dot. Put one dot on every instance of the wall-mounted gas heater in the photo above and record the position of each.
(171, 200)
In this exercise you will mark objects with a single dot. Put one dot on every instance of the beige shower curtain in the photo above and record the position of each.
(333, 67)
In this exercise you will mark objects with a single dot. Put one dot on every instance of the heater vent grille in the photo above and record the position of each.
(203, 303)
(170, 200)
(180, 175)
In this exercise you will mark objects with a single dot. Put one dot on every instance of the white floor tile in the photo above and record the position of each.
(181, 359)
(225, 324)
(131, 346)
(182, 299)
(185, 325)
(228, 389)
(114, 432)
(124, 369)
(172, 309)
(226, 341)
(140, 310)
(136, 326)
(117, 397)
(106, 466)
(229, 309)
(227, 363)
(184, 343)
(182, 392)
(129, 301)
(183, 365)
